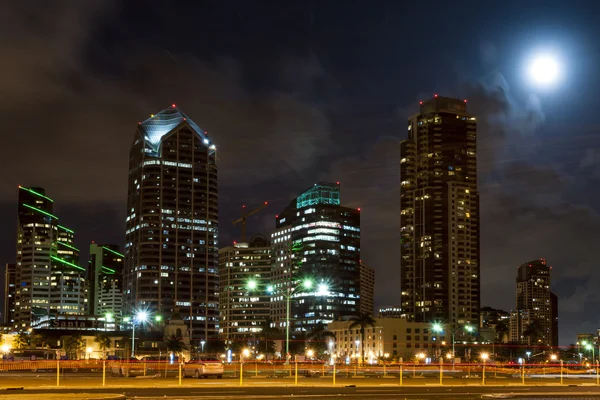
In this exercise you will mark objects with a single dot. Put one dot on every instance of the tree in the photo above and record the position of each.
(175, 344)
(269, 332)
(362, 321)
(534, 333)
(319, 338)
(72, 346)
(21, 341)
(501, 332)
(103, 342)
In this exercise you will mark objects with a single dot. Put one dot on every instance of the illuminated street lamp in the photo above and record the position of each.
(438, 328)
(89, 351)
(140, 317)
(553, 357)
(5, 348)
(322, 290)
(484, 357)
(251, 284)
(310, 353)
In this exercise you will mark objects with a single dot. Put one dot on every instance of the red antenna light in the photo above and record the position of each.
(266, 202)
(435, 95)
(234, 242)
(185, 119)
(243, 206)
(465, 100)
(358, 209)
(139, 123)
(421, 103)
(173, 105)
(337, 183)
(276, 215)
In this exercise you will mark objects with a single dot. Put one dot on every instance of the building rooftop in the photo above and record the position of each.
(160, 124)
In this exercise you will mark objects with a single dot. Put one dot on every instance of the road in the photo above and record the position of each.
(313, 388)
(373, 393)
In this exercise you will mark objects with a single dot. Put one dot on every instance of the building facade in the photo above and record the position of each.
(8, 315)
(244, 302)
(316, 238)
(397, 338)
(534, 321)
(49, 279)
(367, 289)
(440, 259)
(105, 277)
(390, 312)
(171, 256)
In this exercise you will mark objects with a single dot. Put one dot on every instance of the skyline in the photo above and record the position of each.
(538, 159)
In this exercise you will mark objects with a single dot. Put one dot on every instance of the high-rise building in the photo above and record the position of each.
(440, 215)
(8, 315)
(367, 289)
(49, 279)
(105, 277)
(534, 320)
(171, 256)
(244, 301)
(316, 239)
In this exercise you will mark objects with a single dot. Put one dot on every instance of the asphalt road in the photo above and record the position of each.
(373, 393)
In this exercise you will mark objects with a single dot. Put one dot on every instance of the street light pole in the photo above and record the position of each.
(287, 325)
(133, 338)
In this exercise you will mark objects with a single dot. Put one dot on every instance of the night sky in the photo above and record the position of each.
(295, 92)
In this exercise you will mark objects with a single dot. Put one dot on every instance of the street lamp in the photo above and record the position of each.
(202, 343)
(140, 317)
(310, 353)
(251, 285)
(89, 351)
(553, 357)
(484, 357)
(438, 328)
(5, 348)
(323, 290)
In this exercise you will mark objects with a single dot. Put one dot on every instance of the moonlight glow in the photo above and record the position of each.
(544, 70)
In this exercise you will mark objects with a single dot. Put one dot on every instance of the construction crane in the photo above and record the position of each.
(245, 216)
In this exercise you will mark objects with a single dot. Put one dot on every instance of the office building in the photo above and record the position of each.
(316, 238)
(244, 274)
(534, 320)
(494, 325)
(49, 279)
(440, 215)
(171, 256)
(390, 312)
(8, 314)
(367, 289)
(391, 339)
(105, 277)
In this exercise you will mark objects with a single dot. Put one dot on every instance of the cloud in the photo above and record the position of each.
(79, 123)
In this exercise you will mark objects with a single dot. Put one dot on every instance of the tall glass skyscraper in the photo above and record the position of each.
(49, 280)
(105, 279)
(316, 238)
(171, 256)
(440, 215)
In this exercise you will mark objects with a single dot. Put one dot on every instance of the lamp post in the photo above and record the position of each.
(140, 317)
(484, 357)
(438, 328)
(323, 290)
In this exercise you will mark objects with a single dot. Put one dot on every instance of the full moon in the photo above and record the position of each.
(544, 70)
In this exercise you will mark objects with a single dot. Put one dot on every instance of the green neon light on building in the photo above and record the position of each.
(36, 193)
(40, 211)
(320, 193)
(65, 229)
(110, 270)
(68, 245)
(70, 264)
(112, 251)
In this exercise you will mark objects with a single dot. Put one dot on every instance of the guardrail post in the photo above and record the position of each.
(441, 370)
(103, 372)
(561, 372)
(241, 373)
(384, 368)
(145, 368)
(58, 372)
(255, 368)
(334, 373)
(180, 373)
(400, 374)
(296, 376)
(523, 374)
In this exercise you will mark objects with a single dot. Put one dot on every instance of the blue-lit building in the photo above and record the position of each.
(171, 255)
(48, 278)
(316, 238)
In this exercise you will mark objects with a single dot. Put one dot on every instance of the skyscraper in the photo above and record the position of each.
(318, 239)
(440, 215)
(105, 277)
(244, 302)
(367, 289)
(171, 256)
(49, 279)
(8, 314)
(535, 320)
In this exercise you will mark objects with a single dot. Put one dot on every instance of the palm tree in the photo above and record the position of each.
(103, 342)
(319, 338)
(72, 345)
(363, 321)
(501, 332)
(268, 332)
(175, 344)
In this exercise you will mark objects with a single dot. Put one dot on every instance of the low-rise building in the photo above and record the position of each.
(390, 338)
